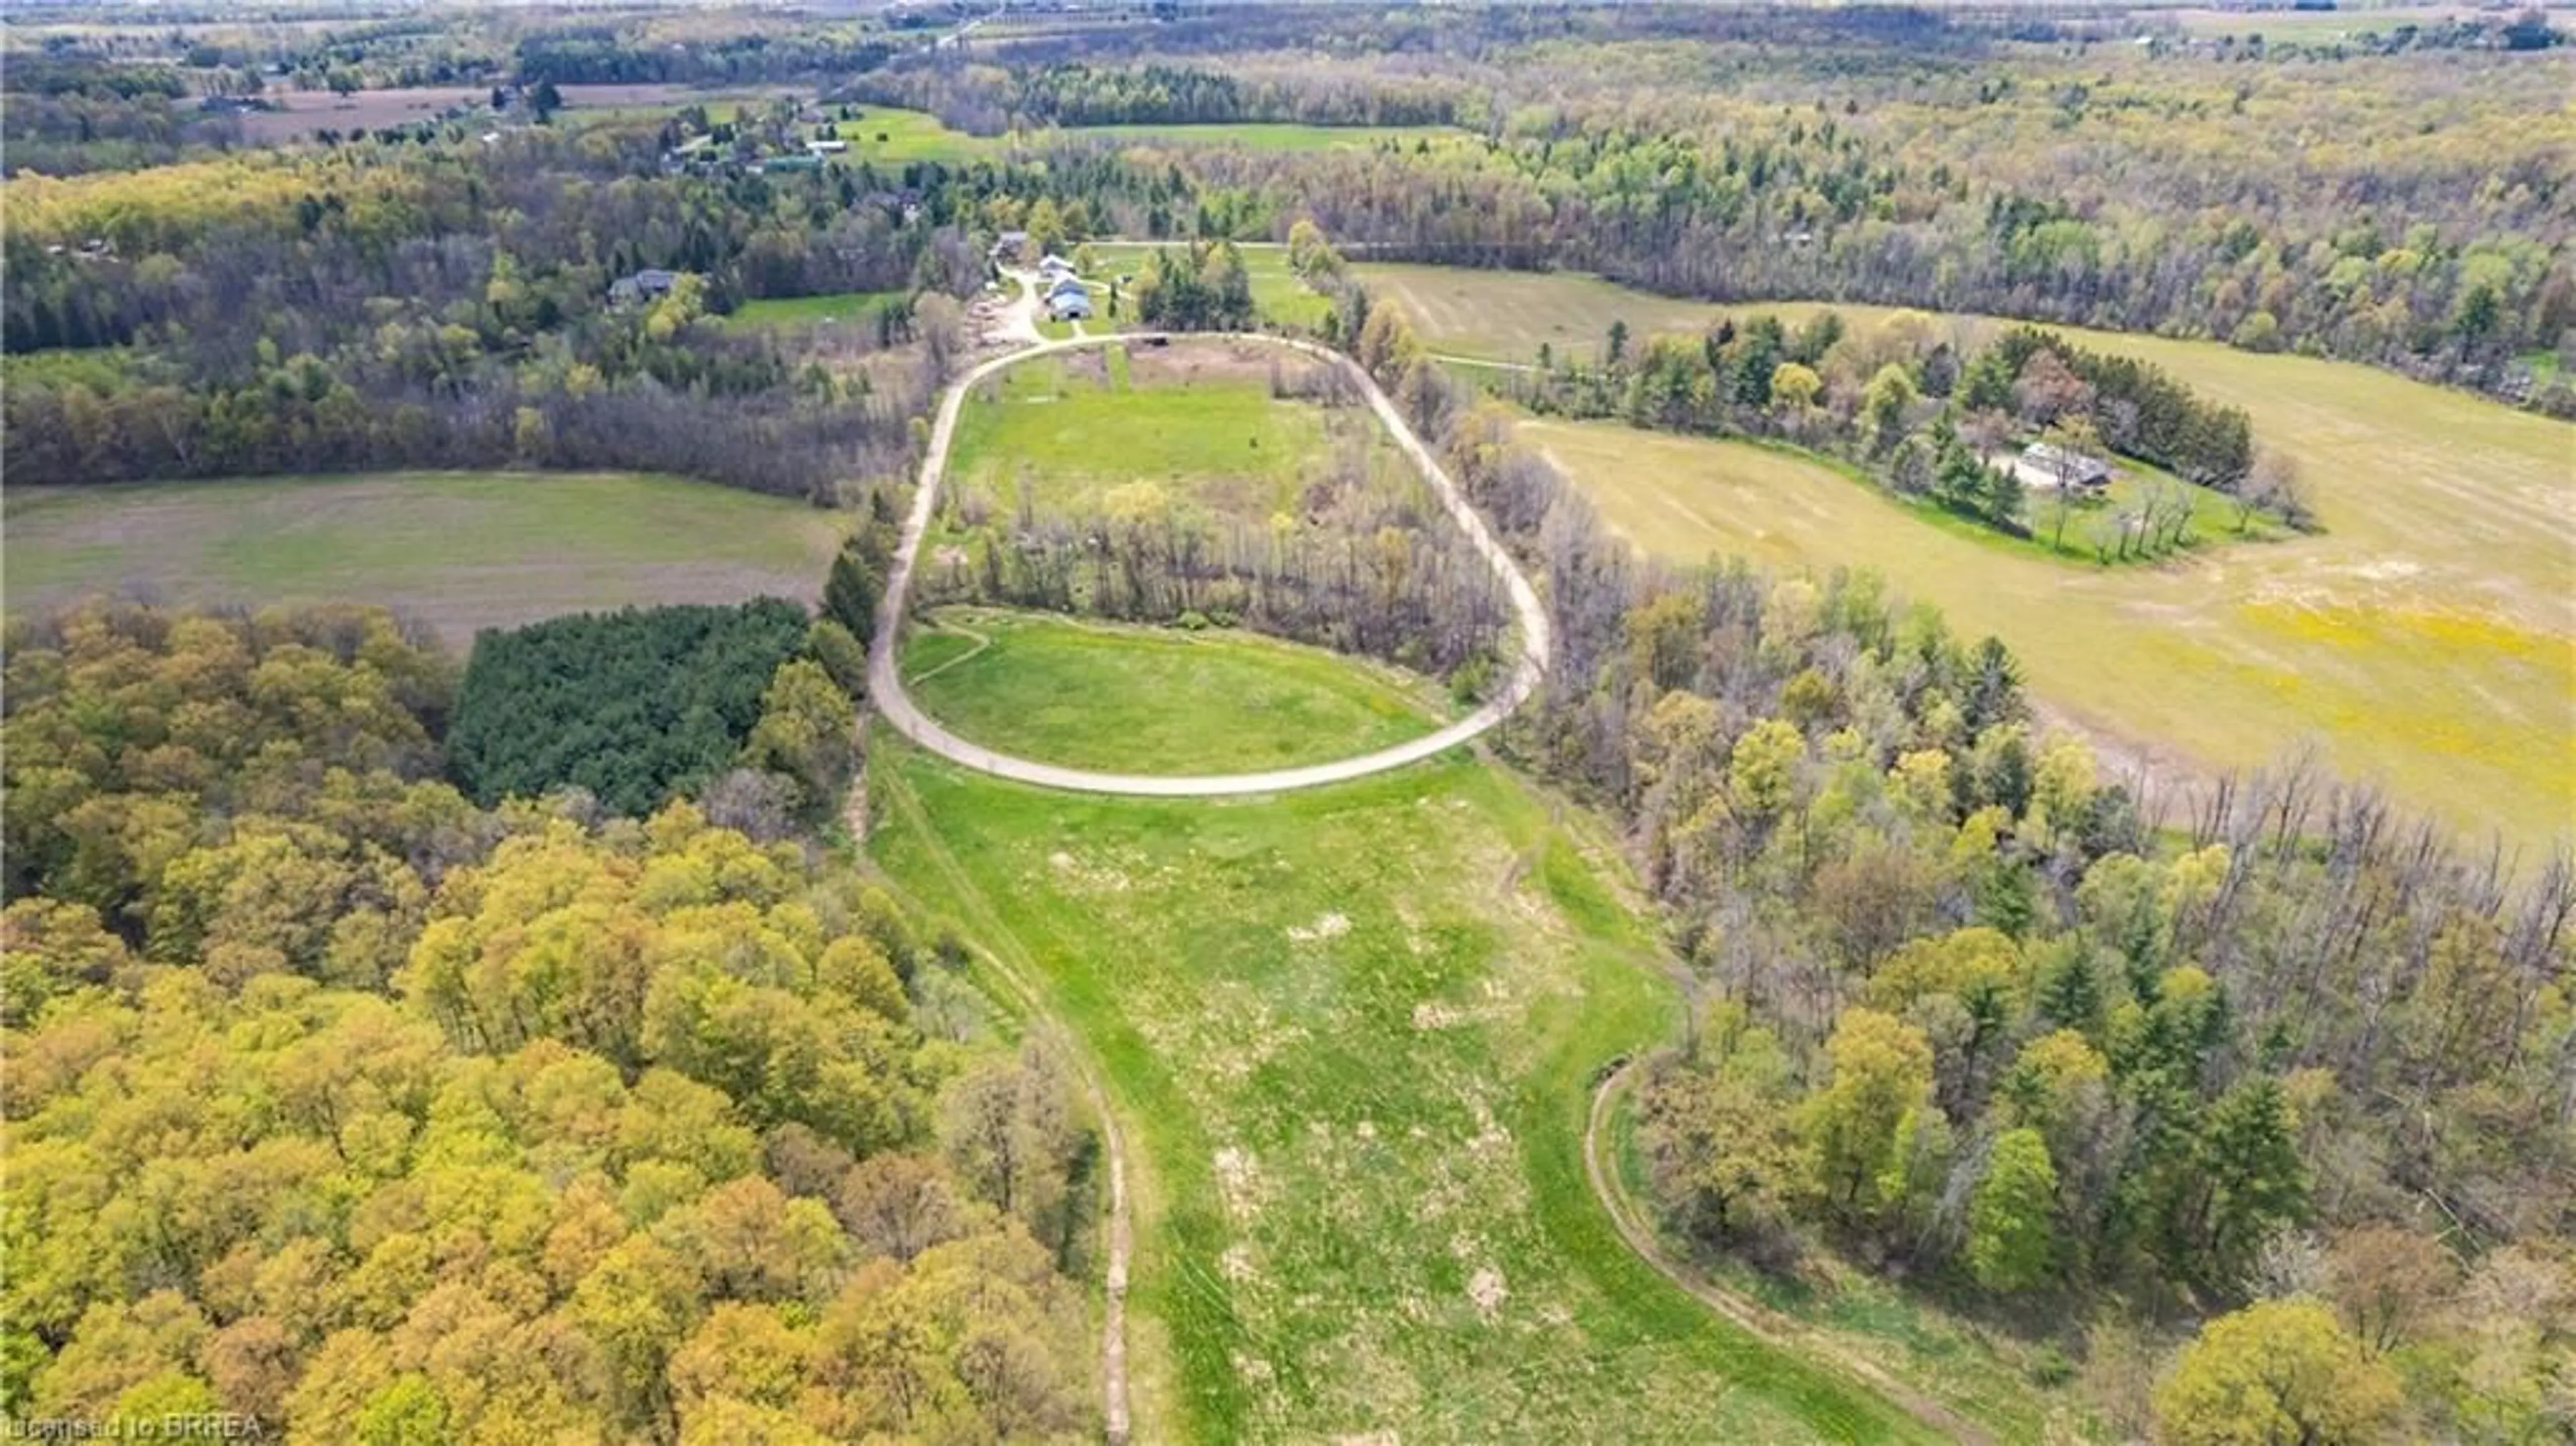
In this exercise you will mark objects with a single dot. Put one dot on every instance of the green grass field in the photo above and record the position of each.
(1195, 420)
(888, 136)
(460, 550)
(1156, 700)
(2427, 639)
(839, 308)
(1349, 1036)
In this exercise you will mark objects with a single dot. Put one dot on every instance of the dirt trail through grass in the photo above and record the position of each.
(1014, 975)
(1749, 1314)
(1349, 1034)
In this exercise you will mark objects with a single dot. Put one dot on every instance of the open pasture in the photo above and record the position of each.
(1156, 700)
(1349, 1035)
(889, 135)
(1194, 422)
(459, 550)
(2426, 639)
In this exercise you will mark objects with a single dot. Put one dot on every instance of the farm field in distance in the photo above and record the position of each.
(1155, 700)
(301, 113)
(2426, 638)
(1327, 1247)
(460, 550)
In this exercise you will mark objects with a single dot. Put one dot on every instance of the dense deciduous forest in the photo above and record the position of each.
(342, 1104)
(1894, 158)
(387, 304)
(366, 1107)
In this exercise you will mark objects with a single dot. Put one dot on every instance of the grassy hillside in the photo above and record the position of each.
(1351, 1035)
(1155, 700)
(2427, 638)
(462, 550)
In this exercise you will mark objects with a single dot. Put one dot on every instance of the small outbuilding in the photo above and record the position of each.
(2047, 467)
(644, 285)
(1069, 303)
(1008, 245)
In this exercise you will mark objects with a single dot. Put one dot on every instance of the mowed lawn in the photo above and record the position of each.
(460, 550)
(1349, 1036)
(1156, 700)
(1195, 419)
(798, 313)
(2427, 639)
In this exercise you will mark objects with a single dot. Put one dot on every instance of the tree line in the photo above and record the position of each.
(1930, 416)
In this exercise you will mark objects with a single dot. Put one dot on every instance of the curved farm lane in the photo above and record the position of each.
(885, 680)
(1754, 1317)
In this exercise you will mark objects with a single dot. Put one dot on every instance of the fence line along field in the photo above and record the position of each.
(2427, 638)
(459, 550)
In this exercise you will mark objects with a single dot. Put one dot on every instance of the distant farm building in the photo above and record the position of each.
(1069, 301)
(1008, 245)
(644, 285)
(1055, 268)
(827, 148)
(2044, 466)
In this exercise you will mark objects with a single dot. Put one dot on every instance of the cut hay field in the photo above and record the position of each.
(1156, 700)
(2427, 639)
(459, 550)
(1349, 1036)
(1194, 420)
